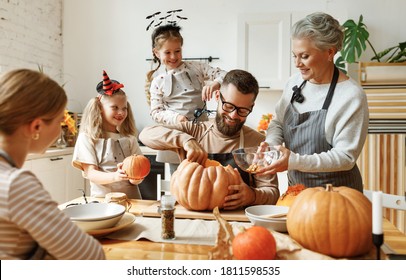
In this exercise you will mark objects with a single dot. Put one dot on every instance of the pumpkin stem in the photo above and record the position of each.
(241, 229)
(329, 187)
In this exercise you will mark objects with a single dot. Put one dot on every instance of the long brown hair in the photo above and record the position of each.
(160, 35)
(26, 95)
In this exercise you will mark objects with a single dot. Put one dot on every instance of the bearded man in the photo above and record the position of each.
(217, 138)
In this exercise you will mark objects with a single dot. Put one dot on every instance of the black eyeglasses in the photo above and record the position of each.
(229, 108)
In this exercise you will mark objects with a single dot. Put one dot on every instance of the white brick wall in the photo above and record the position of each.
(31, 35)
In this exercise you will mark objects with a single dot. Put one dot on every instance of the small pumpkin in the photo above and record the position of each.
(335, 221)
(136, 167)
(287, 198)
(202, 188)
(254, 243)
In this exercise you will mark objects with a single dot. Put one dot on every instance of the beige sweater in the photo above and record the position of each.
(213, 141)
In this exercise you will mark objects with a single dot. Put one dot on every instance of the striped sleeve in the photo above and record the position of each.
(33, 210)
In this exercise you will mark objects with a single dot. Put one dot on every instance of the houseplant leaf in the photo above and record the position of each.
(355, 38)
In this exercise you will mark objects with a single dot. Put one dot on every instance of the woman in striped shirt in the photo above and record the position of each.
(31, 225)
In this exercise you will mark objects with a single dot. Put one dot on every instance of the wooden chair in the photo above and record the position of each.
(163, 186)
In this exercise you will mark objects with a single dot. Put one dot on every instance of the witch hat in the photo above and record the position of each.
(107, 86)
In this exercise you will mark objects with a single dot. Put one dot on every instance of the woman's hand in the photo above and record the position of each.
(207, 91)
(279, 165)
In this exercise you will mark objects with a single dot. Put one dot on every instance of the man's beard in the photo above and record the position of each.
(226, 129)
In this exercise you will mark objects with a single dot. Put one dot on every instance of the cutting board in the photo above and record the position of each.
(183, 213)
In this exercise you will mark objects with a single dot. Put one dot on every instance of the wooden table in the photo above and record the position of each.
(147, 250)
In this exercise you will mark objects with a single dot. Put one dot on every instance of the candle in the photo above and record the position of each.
(377, 212)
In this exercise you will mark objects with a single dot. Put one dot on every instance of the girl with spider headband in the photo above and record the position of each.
(178, 87)
(107, 136)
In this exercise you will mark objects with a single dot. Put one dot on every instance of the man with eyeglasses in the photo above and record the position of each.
(217, 138)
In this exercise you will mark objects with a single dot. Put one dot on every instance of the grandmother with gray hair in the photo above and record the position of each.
(321, 120)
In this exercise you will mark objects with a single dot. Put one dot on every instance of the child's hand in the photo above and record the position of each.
(207, 91)
(120, 174)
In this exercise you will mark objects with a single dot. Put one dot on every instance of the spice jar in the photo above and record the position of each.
(168, 217)
(119, 198)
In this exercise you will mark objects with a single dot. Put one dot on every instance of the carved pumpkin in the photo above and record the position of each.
(136, 167)
(211, 162)
(289, 196)
(198, 188)
(332, 221)
(254, 243)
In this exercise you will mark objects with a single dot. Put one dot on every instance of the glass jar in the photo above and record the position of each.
(168, 217)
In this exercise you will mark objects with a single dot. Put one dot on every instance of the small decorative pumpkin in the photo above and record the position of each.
(289, 196)
(136, 167)
(255, 243)
(335, 221)
(198, 188)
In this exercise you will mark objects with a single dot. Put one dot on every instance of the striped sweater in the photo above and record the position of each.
(29, 216)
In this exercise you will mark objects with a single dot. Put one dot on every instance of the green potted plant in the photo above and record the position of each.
(356, 38)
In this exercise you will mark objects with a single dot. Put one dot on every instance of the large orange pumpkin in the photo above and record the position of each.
(335, 221)
(255, 243)
(199, 188)
(136, 167)
(289, 196)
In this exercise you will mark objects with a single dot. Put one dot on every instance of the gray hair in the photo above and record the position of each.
(321, 28)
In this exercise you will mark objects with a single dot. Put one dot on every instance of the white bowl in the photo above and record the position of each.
(94, 211)
(98, 224)
(93, 216)
(258, 216)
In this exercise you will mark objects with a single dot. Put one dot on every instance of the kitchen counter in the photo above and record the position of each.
(52, 152)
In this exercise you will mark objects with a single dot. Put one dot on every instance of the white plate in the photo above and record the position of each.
(125, 221)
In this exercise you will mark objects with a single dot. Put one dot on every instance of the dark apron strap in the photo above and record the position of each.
(330, 93)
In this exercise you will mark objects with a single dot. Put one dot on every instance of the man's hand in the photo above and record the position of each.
(195, 152)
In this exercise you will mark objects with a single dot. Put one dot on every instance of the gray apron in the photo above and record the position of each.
(305, 134)
(109, 153)
(228, 159)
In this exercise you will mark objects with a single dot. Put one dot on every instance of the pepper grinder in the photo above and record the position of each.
(168, 217)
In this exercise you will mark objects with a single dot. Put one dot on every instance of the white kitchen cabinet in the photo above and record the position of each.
(264, 47)
(57, 175)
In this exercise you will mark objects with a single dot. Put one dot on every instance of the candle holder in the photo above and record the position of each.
(377, 239)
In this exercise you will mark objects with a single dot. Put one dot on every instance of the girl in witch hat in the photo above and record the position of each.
(107, 136)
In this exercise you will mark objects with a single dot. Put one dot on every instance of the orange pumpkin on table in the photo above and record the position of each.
(202, 188)
(254, 243)
(136, 167)
(290, 195)
(335, 221)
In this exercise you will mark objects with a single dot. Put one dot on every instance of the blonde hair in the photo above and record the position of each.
(160, 35)
(26, 95)
(92, 120)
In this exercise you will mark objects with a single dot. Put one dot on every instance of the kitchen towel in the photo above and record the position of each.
(187, 231)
